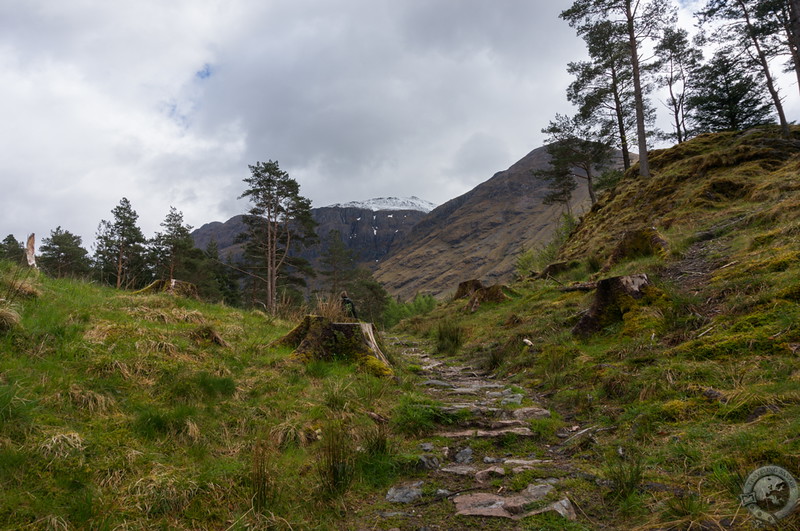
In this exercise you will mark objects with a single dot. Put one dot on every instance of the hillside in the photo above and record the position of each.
(134, 411)
(666, 400)
(476, 235)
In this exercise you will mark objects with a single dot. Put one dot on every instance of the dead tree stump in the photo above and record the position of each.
(613, 298)
(317, 338)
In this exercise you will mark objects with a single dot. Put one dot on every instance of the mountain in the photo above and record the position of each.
(389, 203)
(371, 228)
(477, 235)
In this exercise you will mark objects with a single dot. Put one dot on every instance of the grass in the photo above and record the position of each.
(127, 411)
(700, 381)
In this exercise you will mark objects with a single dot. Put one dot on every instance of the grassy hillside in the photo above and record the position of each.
(147, 411)
(697, 384)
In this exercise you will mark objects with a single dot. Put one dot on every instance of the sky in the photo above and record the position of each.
(166, 103)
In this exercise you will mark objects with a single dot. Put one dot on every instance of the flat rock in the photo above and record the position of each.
(526, 462)
(437, 383)
(512, 507)
(405, 493)
(528, 413)
(460, 470)
(487, 434)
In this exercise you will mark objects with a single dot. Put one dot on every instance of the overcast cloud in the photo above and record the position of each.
(166, 103)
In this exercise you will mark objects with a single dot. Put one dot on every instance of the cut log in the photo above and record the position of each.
(613, 298)
(317, 338)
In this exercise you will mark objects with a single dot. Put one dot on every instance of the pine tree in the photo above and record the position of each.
(338, 263)
(278, 222)
(743, 33)
(677, 60)
(62, 255)
(120, 249)
(727, 96)
(641, 20)
(12, 250)
(171, 250)
(576, 152)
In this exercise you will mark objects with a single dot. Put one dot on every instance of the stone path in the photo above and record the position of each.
(488, 465)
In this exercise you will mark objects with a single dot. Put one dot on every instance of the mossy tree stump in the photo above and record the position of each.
(318, 338)
(614, 297)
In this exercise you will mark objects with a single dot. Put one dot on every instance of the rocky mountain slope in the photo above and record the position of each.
(477, 235)
(371, 229)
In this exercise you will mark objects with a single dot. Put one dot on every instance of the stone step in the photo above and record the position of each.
(486, 434)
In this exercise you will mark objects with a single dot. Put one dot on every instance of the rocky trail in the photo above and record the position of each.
(489, 469)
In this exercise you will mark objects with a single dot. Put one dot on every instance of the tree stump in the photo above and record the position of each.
(635, 243)
(173, 287)
(317, 338)
(467, 288)
(613, 298)
(483, 295)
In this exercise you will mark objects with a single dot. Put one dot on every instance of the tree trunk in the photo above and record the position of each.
(623, 137)
(764, 63)
(794, 36)
(644, 164)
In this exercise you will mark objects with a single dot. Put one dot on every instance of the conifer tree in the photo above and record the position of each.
(338, 263)
(678, 58)
(641, 20)
(62, 255)
(576, 152)
(727, 96)
(12, 250)
(743, 32)
(278, 222)
(171, 250)
(120, 249)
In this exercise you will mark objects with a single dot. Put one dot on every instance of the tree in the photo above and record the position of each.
(120, 249)
(12, 250)
(727, 96)
(62, 255)
(278, 222)
(572, 144)
(225, 281)
(603, 87)
(371, 297)
(677, 59)
(743, 32)
(172, 249)
(338, 263)
(642, 20)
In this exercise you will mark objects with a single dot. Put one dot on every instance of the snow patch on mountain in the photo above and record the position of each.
(389, 203)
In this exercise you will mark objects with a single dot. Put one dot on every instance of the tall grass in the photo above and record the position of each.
(449, 337)
(335, 464)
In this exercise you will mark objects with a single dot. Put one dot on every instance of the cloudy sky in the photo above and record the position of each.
(166, 103)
